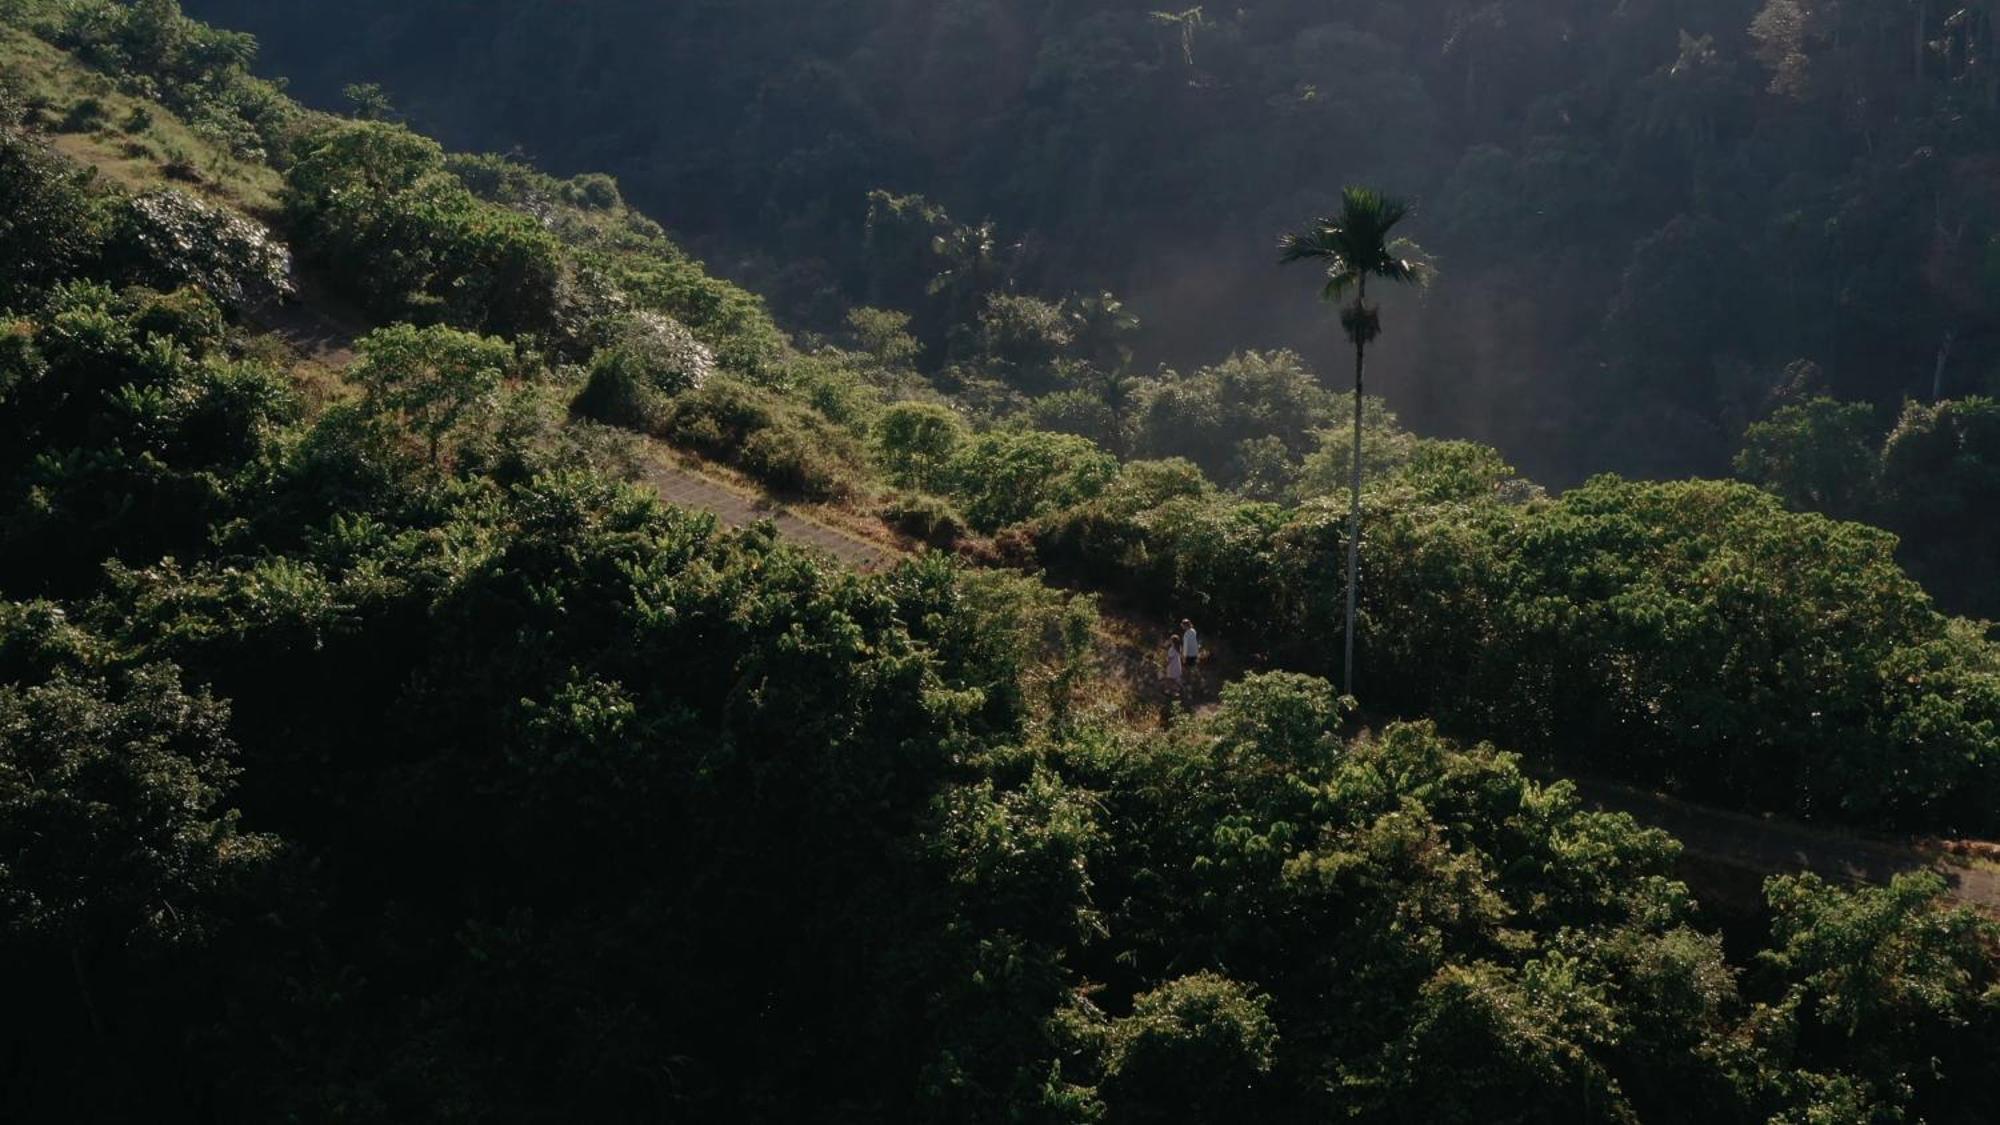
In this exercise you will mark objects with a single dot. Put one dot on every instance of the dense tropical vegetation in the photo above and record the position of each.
(373, 748)
(1648, 210)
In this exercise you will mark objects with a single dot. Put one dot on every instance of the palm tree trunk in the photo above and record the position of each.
(1937, 373)
(1917, 46)
(1354, 509)
(83, 992)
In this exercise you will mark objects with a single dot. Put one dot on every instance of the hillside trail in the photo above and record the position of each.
(323, 330)
(1776, 846)
(688, 487)
(320, 327)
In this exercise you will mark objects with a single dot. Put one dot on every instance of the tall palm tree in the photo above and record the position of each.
(1355, 246)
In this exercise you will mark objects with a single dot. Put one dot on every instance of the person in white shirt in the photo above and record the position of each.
(1191, 651)
(1174, 666)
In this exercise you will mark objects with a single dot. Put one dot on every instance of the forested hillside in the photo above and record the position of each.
(374, 747)
(1647, 210)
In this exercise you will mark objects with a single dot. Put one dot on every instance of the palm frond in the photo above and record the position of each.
(1319, 240)
(1409, 264)
(1356, 244)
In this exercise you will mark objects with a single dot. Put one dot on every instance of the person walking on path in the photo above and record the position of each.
(1173, 681)
(1191, 654)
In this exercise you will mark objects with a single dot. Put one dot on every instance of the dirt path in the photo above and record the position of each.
(314, 324)
(687, 488)
(1773, 846)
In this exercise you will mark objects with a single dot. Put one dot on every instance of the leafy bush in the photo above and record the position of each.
(648, 359)
(155, 51)
(128, 877)
(125, 431)
(179, 165)
(788, 459)
(51, 221)
(1385, 448)
(1197, 1048)
(1817, 455)
(885, 335)
(780, 443)
(85, 115)
(434, 379)
(657, 351)
(1930, 480)
(1024, 338)
(399, 232)
(927, 519)
(1865, 982)
(594, 191)
(731, 320)
(916, 441)
(1205, 416)
(172, 239)
(1083, 413)
(1005, 478)
(111, 802)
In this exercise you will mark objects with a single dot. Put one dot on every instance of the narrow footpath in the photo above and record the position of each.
(1775, 846)
(687, 488)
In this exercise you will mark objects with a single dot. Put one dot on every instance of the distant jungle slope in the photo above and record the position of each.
(1847, 187)
(1932, 477)
(1646, 211)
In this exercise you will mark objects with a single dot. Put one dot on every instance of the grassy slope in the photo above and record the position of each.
(139, 159)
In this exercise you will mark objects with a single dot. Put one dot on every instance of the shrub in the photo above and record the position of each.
(1200, 1048)
(656, 351)
(171, 239)
(885, 335)
(925, 518)
(86, 116)
(51, 222)
(1704, 638)
(128, 433)
(434, 378)
(1206, 416)
(915, 441)
(404, 236)
(1080, 412)
(156, 52)
(614, 394)
(179, 166)
(649, 358)
(780, 443)
(787, 458)
(593, 191)
(1023, 338)
(1006, 478)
